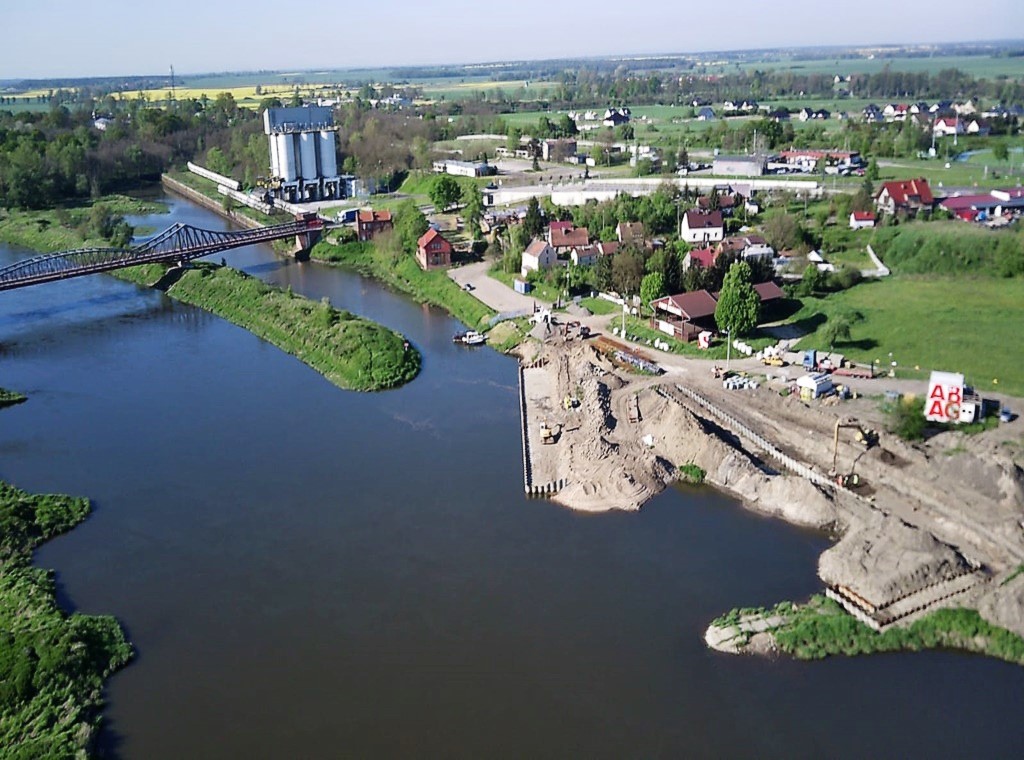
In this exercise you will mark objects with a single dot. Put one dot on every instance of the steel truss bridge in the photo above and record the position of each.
(178, 244)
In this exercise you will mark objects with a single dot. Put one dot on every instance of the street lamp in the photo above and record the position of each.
(728, 348)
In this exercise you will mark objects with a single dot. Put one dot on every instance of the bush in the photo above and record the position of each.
(906, 419)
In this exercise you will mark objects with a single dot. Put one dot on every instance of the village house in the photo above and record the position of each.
(700, 257)
(908, 195)
(978, 127)
(947, 126)
(370, 222)
(584, 256)
(563, 237)
(685, 315)
(630, 232)
(538, 256)
(706, 113)
(614, 117)
(861, 219)
(433, 250)
(701, 228)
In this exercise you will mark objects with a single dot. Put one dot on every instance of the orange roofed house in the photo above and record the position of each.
(370, 222)
(433, 251)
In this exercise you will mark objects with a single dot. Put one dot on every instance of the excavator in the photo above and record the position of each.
(863, 436)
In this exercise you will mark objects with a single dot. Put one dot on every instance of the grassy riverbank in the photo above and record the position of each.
(52, 665)
(7, 398)
(821, 628)
(62, 229)
(352, 352)
(405, 275)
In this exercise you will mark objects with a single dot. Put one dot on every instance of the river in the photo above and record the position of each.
(310, 572)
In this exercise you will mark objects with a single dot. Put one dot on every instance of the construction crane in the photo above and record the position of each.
(863, 436)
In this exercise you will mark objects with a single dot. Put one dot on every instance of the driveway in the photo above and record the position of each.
(488, 290)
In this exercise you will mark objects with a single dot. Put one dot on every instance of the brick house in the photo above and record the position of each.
(370, 222)
(433, 251)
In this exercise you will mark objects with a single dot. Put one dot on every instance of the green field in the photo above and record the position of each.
(957, 324)
(981, 66)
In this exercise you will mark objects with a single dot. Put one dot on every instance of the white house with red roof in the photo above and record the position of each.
(947, 126)
(697, 228)
(908, 195)
(860, 220)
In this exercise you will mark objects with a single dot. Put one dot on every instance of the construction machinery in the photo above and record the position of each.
(863, 436)
(774, 361)
(549, 434)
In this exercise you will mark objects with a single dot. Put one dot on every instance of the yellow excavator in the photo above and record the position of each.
(863, 436)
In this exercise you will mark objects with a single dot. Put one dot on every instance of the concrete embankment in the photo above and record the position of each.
(179, 188)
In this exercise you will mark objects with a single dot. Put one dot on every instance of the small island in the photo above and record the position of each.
(52, 665)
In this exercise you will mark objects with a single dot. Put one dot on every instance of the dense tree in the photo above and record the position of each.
(652, 287)
(533, 223)
(444, 192)
(739, 306)
(627, 271)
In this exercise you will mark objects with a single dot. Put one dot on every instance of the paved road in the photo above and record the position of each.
(495, 294)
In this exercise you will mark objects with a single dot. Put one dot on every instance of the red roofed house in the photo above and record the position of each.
(861, 219)
(700, 257)
(909, 195)
(433, 251)
(564, 239)
(947, 126)
(702, 228)
(370, 222)
(686, 315)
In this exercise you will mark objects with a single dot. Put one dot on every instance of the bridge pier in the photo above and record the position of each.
(304, 243)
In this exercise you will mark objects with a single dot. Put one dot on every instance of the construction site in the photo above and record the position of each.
(917, 526)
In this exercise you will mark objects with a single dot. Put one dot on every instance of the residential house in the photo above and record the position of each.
(896, 111)
(978, 127)
(701, 228)
(706, 113)
(700, 257)
(564, 239)
(433, 250)
(861, 219)
(809, 114)
(908, 195)
(630, 232)
(370, 222)
(584, 256)
(609, 248)
(686, 315)
(946, 126)
(747, 246)
(538, 256)
(615, 117)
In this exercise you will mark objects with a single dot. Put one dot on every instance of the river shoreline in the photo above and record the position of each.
(56, 664)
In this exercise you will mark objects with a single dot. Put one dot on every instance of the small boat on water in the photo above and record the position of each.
(470, 338)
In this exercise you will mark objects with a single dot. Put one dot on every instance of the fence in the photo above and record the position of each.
(798, 468)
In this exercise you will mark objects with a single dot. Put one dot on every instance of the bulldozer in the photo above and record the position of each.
(549, 434)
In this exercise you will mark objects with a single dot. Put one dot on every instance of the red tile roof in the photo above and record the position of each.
(904, 192)
(704, 257)
(428, 237)
(863, 216)
(374, 216)
(569, 238)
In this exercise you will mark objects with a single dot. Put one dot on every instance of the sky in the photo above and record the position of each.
(71, 38)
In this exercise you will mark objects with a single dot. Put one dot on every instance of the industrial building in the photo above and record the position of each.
(739, 166)
(303, 161)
